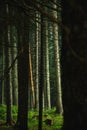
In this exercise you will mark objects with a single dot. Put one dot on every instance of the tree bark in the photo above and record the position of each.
(47, 103)
(59, 107)
(8, 73)
(74, 63)
(23, 72)
(14, 69)
(3, 68)
(31, 81)
(47, 67)
(37, 60)
(41, 76)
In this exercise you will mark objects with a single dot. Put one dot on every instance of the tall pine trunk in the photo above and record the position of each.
(14, 73)
(47, 102)
(3, 68)
(8, 72)
(59, 107)
(38, 46)
(41, 76)
(47, 67)
(31, 81)
(37, 61)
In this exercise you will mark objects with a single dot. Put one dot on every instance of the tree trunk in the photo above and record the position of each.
(14, 68)
(3, 68)
(8, 72)
(37, 60)
(59, 107)
(23, 73)
(74, 63)
(47, 67)
(41, 76)
(31, 81)
(37, 57)
(47, 103)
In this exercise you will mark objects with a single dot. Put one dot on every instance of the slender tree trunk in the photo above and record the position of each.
(14, 69)
(31, 81)
(47, 103)
(41, 78)
(37, 80)
(59, 107)
(29, 98)
(44, 69)
(47, 68)
(3, 68)
(37, 59)
(8, 73)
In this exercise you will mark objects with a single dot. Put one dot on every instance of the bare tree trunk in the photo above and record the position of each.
(8, 73)
(37, 57)
(59, 107)
(47, 102)
(3, 68)
(41, 76)
(31, 81)
(47, 68)
(14, 69)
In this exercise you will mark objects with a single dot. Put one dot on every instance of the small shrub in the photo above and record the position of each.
(2, 112)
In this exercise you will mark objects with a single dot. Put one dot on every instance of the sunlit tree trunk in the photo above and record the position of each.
(47, 67)
(31, 81)
(47, 103)
(59, 107)
(37, 58)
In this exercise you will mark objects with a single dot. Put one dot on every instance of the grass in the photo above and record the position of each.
(33, 119)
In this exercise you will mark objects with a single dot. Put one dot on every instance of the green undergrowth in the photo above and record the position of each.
(57, 120)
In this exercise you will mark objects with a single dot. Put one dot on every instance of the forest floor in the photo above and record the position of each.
(51, 120)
